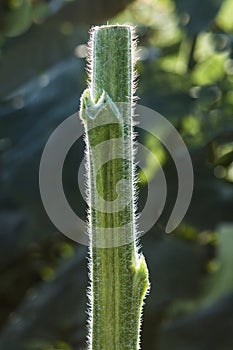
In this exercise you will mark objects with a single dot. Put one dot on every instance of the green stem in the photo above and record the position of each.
(119, 276)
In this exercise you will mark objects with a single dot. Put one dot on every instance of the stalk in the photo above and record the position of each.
(118, 274)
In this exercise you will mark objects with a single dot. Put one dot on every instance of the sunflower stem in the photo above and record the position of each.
(119, 275)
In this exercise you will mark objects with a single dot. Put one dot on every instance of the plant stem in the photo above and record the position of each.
(119, 276)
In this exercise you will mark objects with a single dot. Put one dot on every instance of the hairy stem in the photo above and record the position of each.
(119, 276)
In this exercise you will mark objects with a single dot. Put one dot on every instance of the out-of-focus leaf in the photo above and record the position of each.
(222, 281)
(209, 71)
(18, 19)
(224, 18)
(225, 160)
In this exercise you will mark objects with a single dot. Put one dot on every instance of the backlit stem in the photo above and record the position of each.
(119, 276)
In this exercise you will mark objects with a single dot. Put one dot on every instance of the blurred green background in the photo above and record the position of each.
(186, 74)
